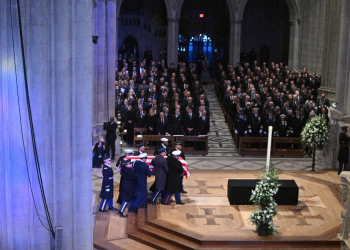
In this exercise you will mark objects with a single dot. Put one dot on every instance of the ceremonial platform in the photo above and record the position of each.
(208, 221)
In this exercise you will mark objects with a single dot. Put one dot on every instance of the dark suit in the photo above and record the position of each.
(162, 127)
(190, 123)
(177, 125)
(140, 120)
(111, 136)
(203, 126)
(343, 154)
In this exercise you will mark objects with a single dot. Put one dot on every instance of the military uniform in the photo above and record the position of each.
(241, 125)
(343, 154)
(255, 126)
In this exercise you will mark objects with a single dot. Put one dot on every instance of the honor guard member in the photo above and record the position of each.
(343, 154)
(178, 147)
(290, 121)
(128, 186)
(128, 152)
(161, 169)
(299, 123)
(173, 179)
(255, 126)
(163, 144)
(141, 149)
(282, 126)
(107, 187)
(270, 121)
(142, 171)
(241, 125)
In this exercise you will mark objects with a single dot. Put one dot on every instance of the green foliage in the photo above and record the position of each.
(262, 197)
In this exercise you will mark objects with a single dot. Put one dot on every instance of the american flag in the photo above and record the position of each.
(151, 167)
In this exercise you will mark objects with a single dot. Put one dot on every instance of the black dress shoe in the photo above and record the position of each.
(112, 209)
(121, 214)
(166, 204)
(144, 206)
(103, 211)
(180, 203)
(184, 192)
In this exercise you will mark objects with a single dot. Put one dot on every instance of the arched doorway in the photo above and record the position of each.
(131, 46)
(202, 23)
(265, 27)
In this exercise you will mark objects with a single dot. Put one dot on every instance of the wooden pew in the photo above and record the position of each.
(287, 146)
(196, 140)
(245, 145)
(280, 146)
(156, 139)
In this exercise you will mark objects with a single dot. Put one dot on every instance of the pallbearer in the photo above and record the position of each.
(107, 187)
(178, 147)
(142, 171)
(173, 179)
(128, 186)
(161, 168)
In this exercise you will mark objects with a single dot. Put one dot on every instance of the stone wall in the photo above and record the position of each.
(58, 50)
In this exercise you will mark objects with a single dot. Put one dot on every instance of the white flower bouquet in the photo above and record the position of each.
(315, 133)
(262, 197)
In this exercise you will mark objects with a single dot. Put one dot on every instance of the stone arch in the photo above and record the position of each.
(292, 7)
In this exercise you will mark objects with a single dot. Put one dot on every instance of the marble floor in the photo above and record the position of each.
(222, 153)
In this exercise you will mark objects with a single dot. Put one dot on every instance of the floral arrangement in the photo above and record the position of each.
(262, 196)
(315, 133)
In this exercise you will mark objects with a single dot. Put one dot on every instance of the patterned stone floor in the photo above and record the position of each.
(222, 153)
(220, 141)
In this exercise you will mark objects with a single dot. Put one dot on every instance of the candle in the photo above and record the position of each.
(268, 149)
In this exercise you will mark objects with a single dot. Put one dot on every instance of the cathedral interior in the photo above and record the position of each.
(58, 72)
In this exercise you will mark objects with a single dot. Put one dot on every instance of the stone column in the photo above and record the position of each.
(331, 150)
(173, 40)
(235, 41)
(342, 92)
(293, 44)
(104, 65)
(58, 50)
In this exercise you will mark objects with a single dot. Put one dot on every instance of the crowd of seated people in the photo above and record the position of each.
(258, 97)
(164, 100)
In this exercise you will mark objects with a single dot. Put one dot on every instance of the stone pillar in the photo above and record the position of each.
(58, 50)
(293, 44)
(342, 92)
(235, 41)
(173, 40)
(104, 65)
(331, 150)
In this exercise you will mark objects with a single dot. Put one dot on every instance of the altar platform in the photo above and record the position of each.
(208, 221)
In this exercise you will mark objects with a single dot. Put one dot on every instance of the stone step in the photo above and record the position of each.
(152, 241)
(168, 237)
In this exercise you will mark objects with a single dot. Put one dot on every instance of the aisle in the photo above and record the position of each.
(220, 140)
